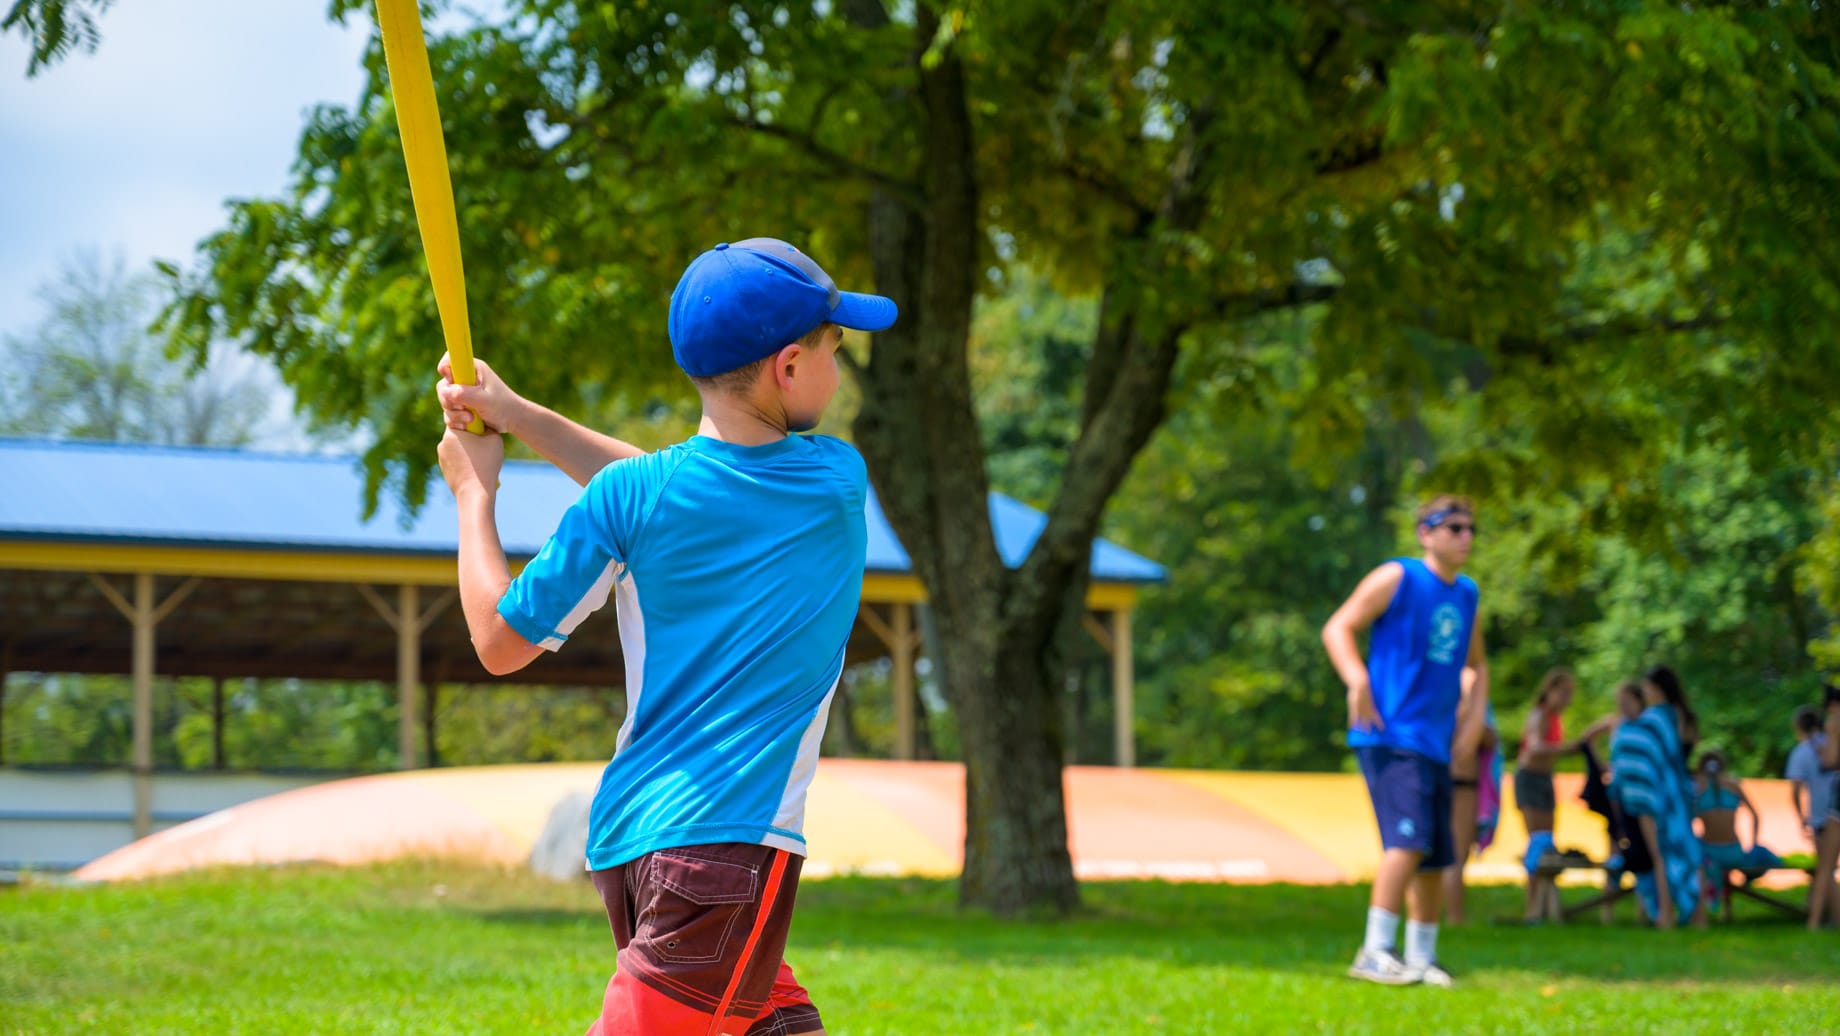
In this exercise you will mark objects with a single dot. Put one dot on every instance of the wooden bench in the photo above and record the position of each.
(1549, 907)
(1733, 889)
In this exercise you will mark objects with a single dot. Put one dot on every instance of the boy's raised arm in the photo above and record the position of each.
(471, 464)
(578, 450)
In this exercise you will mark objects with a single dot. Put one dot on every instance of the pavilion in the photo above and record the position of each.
(187, 561)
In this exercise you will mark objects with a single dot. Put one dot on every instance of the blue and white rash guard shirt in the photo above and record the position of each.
(736, 572)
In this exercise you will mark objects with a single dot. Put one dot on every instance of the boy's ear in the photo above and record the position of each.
(783, 363)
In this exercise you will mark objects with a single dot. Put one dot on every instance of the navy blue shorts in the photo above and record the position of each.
(1411, 795)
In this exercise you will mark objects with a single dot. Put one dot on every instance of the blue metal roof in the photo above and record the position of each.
(199, 496)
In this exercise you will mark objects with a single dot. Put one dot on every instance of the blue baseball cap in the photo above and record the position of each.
(738, 303)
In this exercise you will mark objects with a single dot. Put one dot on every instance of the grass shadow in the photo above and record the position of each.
(1311, 929)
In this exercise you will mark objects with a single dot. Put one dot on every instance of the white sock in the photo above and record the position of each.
(1421, 943)
(1382, 926)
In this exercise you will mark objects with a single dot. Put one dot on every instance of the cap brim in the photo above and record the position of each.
(860, 312)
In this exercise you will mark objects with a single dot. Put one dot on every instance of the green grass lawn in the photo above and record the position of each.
(429, 948)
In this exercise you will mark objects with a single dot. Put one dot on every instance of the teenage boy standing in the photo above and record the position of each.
(1419, 696)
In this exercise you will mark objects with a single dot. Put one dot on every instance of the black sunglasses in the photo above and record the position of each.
(1459, 528)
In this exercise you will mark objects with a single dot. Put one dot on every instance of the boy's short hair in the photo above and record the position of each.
(741, 377)
(1433, 512)
(1807, 719)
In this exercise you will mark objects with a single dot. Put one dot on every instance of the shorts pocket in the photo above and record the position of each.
(694, 904)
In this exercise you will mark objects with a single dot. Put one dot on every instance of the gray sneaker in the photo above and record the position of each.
(1430, 973)
(1383, 967)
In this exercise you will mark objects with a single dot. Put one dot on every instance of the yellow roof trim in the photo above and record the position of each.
(308, 566)
(892, 588)
(896, 588)
(1111, 597)
(349, 567)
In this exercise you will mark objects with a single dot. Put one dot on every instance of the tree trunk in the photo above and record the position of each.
(1009, 723)
(1001, 631)
(919, 434)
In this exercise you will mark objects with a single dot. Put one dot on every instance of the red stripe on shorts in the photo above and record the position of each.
(768, 897)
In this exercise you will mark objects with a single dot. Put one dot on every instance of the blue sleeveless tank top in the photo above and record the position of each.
(1415, 661)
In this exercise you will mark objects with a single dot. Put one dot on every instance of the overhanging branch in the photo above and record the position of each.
(1265, 300)
(804, 139)
(1378, 25)
(1106, 187)
(1364, 151)
(1544, 349)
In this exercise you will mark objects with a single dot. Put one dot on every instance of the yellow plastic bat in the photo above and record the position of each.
(419, 121)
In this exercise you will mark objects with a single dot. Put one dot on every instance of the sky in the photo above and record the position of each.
(134, 149)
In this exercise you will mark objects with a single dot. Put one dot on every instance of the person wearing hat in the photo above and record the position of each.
(735, 560)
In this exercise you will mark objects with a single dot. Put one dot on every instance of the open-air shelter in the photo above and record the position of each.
(178, 561)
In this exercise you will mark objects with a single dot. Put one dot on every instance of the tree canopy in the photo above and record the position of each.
(1599, 232)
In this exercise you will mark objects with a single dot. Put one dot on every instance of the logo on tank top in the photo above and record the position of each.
(1446, 634)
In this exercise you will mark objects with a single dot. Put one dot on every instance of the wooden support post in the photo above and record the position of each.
(408, 620)
(902, 652)
(1124, 740)
(432, 695)
(901, 639)
(408, 673)
(146, 616)
(217, 722)
(6, 666)
(143, 704)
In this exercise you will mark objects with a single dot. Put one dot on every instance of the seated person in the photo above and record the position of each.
(1650, 785)
(1717, 796)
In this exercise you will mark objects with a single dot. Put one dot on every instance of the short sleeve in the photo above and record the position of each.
(571, 577)
(1798, 769)
(846, 460)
